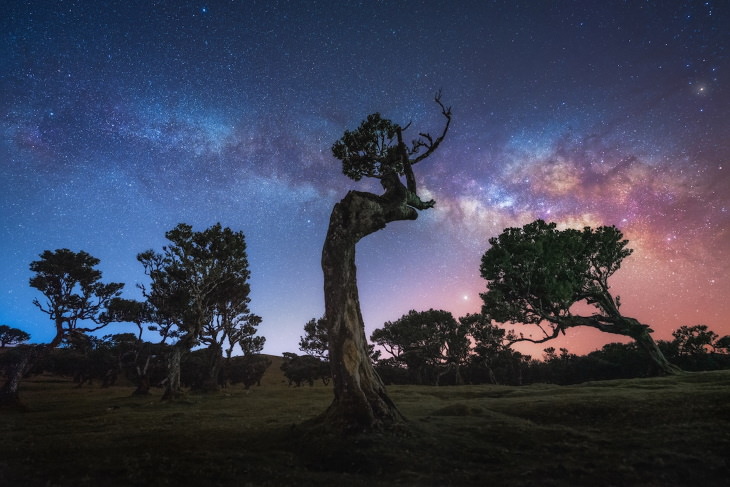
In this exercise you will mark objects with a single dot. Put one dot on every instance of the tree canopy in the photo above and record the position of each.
(12, 336)
(694, 340)
(422, 339)
(199, 289)
(197, 275)
(75, 299)
(315, 341)
(73, 291)
(376, 148)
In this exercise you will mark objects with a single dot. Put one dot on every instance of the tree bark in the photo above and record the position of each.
(173, 390)
(361, 402)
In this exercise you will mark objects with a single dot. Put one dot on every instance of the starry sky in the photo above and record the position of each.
(121, 119)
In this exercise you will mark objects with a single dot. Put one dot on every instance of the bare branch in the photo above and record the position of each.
(555, 334)
(430, 144)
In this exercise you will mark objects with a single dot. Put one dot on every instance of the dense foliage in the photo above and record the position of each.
(199, 293)
(12, 336)
(75, 297)
(537, 274)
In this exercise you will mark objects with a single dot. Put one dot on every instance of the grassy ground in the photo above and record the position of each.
(650, 432)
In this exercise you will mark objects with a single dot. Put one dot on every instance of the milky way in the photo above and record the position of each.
(121, 119)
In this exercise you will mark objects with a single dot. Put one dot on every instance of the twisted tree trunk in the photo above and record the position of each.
(660, 362)
(361, 402)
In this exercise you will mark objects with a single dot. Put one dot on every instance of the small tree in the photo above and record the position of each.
(236, 331)
(536, 274)
(75, 300)
(694, 340)
(376, 149)
(315, 341)
(12, 336)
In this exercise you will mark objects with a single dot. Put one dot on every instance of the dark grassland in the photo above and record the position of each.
(649, 432)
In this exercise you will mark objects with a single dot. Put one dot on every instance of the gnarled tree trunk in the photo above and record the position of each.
(660, 362)
(361, 402)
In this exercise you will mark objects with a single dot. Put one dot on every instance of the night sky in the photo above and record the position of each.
(121, 119)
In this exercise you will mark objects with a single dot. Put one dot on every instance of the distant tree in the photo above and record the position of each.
(431, 343)
(75, 300)
(228, 329)
(694, 340)
(139, 355)
(315, 341)
(92, 358)
(491, 347)
(536, 274)
(248, 369)
(723, 344)
(375, 149)
(194, 277)
(304, 368)
(241, 332)
(12, 336)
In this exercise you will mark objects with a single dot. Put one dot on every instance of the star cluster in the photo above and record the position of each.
(121, 119)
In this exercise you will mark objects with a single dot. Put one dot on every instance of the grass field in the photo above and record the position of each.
(652, 432)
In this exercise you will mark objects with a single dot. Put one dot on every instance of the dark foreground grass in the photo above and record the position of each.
(650, 432)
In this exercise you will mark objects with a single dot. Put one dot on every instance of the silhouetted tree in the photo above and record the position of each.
(723, 344)
(315, 341)
(431, 343)
(197, 275)
(535, 274)
(248, 369)
(228, 329)
(12, 336)
(304, 368)
(694, 340)
(75, 300)
(375, 149)
(491, 347)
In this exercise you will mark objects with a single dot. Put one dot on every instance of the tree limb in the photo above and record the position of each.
(432, 145)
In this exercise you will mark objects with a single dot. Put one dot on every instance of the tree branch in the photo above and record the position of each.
(431, 145)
